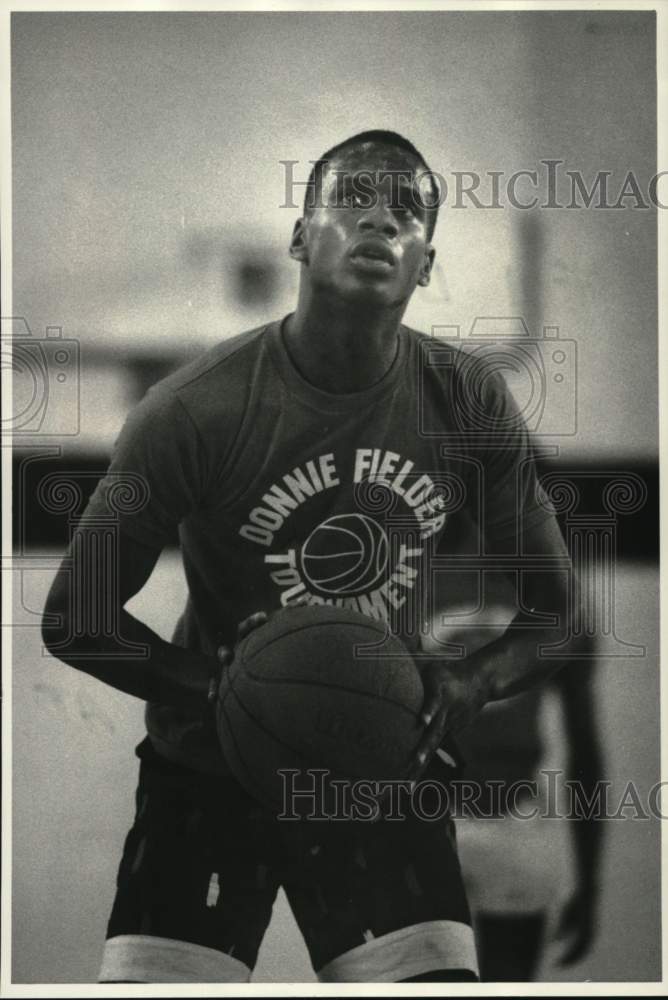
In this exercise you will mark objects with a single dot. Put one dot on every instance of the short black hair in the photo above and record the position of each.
(377, 137)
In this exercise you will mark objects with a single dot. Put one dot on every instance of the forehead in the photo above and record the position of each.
(370, 157)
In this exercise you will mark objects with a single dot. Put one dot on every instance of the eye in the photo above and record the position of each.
(405, 205)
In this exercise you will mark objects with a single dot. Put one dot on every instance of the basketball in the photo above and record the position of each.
(318, 687)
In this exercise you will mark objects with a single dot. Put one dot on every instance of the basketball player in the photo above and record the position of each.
(253, 453)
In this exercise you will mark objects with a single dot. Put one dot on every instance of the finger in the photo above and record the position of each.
(432, 703)
(414, 772)
(433, 734)
(575, 951)
(428, 743)
(224, 655)
(248, 624)
(432, 698)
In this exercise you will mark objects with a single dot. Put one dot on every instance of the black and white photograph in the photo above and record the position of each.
(331, 520)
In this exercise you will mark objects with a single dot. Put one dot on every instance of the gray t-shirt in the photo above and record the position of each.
(283, 493)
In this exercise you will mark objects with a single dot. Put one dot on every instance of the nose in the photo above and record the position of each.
(378, 218)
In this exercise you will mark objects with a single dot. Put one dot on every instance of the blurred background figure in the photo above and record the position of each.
(533, 883)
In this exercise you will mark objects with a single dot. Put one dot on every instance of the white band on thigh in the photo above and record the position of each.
(411, 951)
(145, 959)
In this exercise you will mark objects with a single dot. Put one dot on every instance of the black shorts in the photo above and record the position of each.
(375, 901)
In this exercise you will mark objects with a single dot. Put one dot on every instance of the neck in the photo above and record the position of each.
(341, 347)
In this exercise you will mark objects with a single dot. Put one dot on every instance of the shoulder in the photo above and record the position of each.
(438, 358)
(471, 374)
(220, 365)
(451, 380)
(216, 385)
(208, 393)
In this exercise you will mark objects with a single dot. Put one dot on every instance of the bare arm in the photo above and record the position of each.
(577, 926)
(157, 670)
(585, 760)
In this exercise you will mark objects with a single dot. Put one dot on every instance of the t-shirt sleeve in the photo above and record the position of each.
(156, 475)
(506, 491)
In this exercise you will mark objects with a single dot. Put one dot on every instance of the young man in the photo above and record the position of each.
(254, 452)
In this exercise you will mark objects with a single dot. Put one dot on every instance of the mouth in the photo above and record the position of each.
(373, 255)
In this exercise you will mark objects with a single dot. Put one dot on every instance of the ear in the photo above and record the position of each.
(427, 264)
(297, 248)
